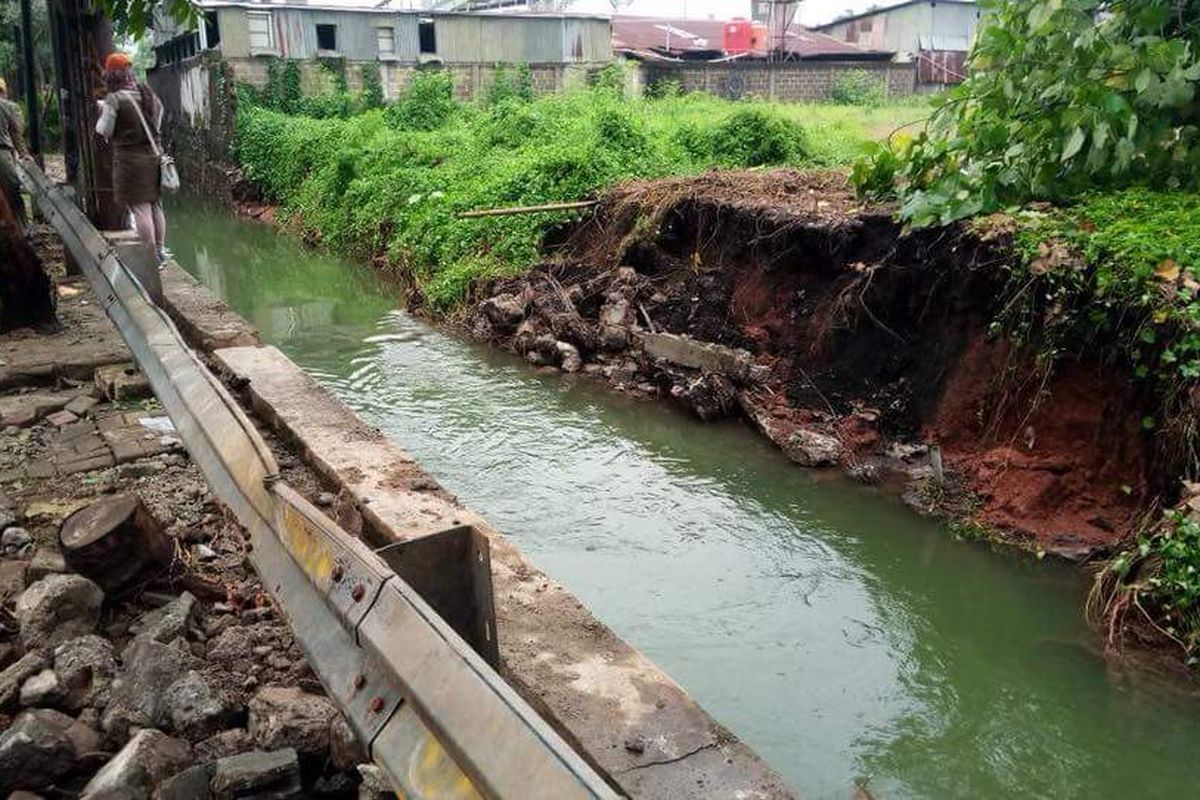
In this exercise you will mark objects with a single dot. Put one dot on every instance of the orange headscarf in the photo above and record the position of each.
(117, 61)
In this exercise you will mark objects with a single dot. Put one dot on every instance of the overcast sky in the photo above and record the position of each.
(812, 12)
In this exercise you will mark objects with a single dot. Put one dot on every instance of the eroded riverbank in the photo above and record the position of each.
(835, 632)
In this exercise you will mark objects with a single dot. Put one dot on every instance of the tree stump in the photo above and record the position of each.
(116, 542)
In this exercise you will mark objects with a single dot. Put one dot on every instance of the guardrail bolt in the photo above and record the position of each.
(376, 705)
(359, 682)
(338, 573)
(357, 592)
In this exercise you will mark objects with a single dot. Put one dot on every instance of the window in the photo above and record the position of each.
(327, 37)
(387, 41)
(212, 31)
(262, 32)
(427, 36)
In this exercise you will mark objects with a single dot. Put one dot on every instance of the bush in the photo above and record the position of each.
(427, 104)
(858, 88)
(756, 138)
(510, 84)
(391, 180)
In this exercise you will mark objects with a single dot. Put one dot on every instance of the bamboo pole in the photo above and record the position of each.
(504, 212)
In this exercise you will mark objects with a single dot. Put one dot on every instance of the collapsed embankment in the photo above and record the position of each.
(848, 342)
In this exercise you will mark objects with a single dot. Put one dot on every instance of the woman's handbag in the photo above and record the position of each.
(168, 175)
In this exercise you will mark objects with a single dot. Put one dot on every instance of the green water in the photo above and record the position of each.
(838, 634)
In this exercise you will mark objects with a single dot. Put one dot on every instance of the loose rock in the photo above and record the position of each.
(225, 743)
(287, 717)
(344, 750)
(13, 579)
(85, 667)
(811, 449)
(191, 784)
(15, 675)
(257, 774)
(196, 710)
(15, 541)
(46, 561)
(42, 689)
(150, 667)
(149, 758)
(168, 623)
(35, 751)
(58, 608)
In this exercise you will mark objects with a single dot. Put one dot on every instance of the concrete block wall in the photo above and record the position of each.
(797, 81)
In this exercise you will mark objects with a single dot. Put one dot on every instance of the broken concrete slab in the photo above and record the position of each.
(705, 356)
(23, 410)
(82, 405)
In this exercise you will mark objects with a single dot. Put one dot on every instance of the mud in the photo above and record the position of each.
(871, 348)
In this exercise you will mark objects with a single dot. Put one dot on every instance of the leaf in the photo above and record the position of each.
(1073, 144)
(1167, 270)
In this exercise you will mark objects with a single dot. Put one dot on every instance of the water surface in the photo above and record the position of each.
(837, 633)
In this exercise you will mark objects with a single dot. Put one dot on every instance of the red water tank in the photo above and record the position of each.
(738, 35)
(760, 36)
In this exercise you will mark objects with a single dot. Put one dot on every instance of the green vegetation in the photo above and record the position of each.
(391, 181)
(1064, 96)
(858, 88)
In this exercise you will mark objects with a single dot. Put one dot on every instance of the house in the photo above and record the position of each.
(936, 34)
(704, 39)
(558, 48)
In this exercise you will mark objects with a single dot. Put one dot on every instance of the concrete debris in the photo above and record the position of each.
(168, 623)
(225, 743)
(569, 354)
(375, 785)
(710, 395)
(196, 710)
(194, 783)
(36, 751)
(811, 449)
(149, 758)
(14, 577)
(706, 356)
(58, 608)
(46, 561)
(42, 690)
(85, 667)
(150, 667)
(288, 717)
(15, 541)
(257, 774)
(15, 675)
(345, 752)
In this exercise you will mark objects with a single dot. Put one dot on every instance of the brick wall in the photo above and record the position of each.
(796, 81)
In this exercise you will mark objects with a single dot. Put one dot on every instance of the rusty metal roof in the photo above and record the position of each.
(704, 37)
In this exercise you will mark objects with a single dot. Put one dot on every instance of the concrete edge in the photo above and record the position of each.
(619, 710)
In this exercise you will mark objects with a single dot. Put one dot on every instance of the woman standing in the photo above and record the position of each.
(129, 114)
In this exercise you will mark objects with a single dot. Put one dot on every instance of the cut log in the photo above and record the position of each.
(116, 542)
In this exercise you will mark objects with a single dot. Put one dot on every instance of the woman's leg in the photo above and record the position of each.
(160, 225)
(143, 221)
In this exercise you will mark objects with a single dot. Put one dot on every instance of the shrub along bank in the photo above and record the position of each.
(391, 180)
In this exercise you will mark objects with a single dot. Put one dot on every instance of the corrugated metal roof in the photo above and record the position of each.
(697, 36)
(877, 11)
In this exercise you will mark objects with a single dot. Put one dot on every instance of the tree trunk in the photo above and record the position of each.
(116, 542)
(26, 292)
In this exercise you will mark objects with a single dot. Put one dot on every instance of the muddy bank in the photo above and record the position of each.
(181, 679)
(779, 297)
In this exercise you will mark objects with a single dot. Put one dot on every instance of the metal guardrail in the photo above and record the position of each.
(431, 712)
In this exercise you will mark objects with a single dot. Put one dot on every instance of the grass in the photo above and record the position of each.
(390, 181)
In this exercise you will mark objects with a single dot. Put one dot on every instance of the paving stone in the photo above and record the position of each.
(60, 418)
(82, 404)
(85, 464)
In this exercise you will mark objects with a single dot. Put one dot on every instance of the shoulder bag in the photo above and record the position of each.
(168, 174)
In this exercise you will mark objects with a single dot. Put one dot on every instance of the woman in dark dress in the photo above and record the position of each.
(136, 180)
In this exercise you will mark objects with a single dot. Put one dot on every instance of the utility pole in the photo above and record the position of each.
(34, 126)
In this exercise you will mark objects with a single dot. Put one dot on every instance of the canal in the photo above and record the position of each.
(841, 636)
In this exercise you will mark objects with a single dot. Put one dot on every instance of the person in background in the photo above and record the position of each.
(129, 113)
(12, 146)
